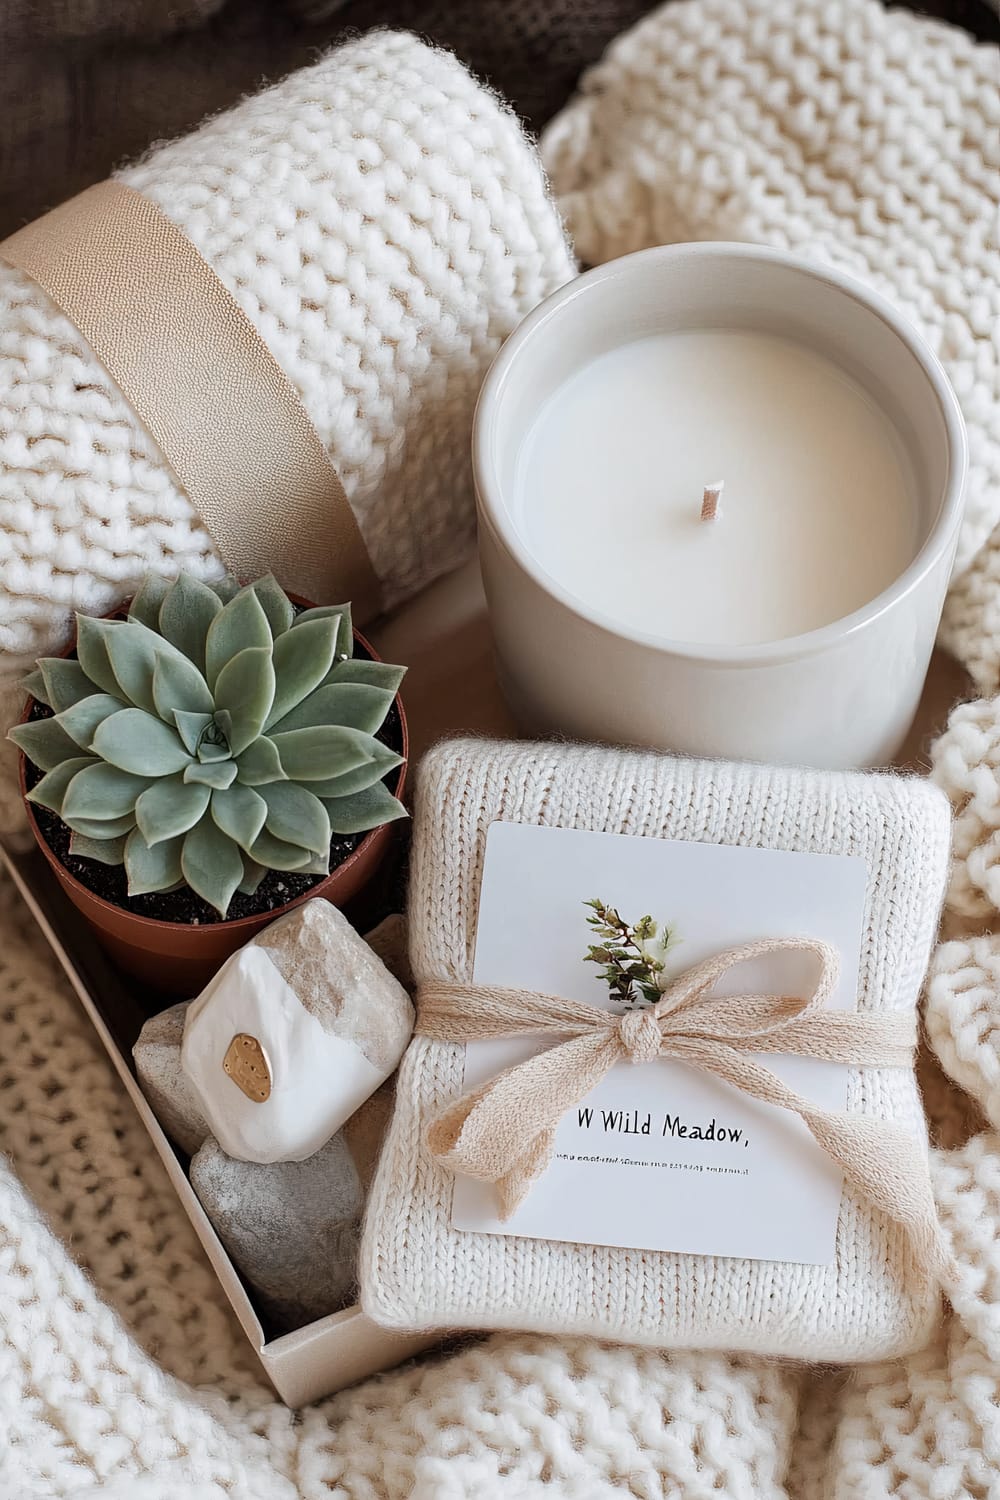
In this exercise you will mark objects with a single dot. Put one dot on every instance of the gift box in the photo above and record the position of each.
(877, 1294)
(303, 1364)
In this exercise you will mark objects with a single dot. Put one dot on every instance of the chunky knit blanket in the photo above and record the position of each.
(122, 1373)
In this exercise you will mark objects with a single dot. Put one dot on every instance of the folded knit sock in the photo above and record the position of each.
(854, 135)
(383, 222)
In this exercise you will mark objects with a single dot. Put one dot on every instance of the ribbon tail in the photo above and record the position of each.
(881, 1162)
(514, 1186)
(504, 1131)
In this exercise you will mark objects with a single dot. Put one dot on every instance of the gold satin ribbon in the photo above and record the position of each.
(504, 1131)
(205, 386)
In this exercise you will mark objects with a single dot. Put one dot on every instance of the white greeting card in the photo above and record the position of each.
(660, 1156)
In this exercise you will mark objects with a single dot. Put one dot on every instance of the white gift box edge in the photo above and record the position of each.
(305, 1365)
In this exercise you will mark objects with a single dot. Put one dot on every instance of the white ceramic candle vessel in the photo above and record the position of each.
(788, 616)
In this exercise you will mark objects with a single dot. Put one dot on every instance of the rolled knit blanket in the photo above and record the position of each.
(864, 138)
(384, 224)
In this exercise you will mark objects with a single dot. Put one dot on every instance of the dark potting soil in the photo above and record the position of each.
(182, 905)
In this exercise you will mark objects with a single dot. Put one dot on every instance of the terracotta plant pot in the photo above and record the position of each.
(179, 957)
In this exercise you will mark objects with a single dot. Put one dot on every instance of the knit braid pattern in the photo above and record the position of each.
(965, 762)
(861, 137)
(417, 1271)
(384, 224)
(962, 1016)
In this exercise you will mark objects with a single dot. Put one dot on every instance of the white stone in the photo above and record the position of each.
(328, 1018)
(157, 1056)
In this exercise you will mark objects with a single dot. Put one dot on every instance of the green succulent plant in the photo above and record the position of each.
(213, 735)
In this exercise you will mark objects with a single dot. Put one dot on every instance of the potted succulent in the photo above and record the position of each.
(198, 766)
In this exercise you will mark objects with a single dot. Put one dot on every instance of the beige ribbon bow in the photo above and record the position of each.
(504, 1131)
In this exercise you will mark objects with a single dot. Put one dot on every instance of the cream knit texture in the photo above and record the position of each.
(857, 136)
(966, 765)
(962, 1016)
(416, 1271)
(384, 224)
(123, 1375)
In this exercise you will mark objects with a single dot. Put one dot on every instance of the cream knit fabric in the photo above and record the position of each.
(383, 222)
(962, 1015)
(966, 765)
(854, 135)
(417, 1271)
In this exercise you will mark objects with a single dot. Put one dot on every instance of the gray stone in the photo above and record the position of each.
(157, 1055)
(291, 1228)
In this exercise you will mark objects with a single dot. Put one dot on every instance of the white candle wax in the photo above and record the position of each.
(817, 516)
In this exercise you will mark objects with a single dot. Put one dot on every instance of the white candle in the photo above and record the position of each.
(818, 516)
(796, 625)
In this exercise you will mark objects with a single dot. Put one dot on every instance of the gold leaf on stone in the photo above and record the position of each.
(246, 1064)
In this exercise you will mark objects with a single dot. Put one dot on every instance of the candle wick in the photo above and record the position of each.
(710, 500)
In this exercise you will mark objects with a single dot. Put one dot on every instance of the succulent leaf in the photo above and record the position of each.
(170, 807)
(34, 687)
(178, 687)
(92, 652)
(309, 754)
(191, 727)
(65, 682)
(296, 817)
(101, 828)
(105, 851)
(260, 763)
(149, 597)
(363, 810)
(275, 604)
(214, 742)
(239, 624)
(185, 615)
(213, 773)
(373, 673)
(211, 863)
(253, 874)
(45, 743)
(102, 792)
(136, 741)
(352, 704)
(245, 690)
(240, 812)
(152, 868)
(82, 720)
(302, 659)
(341, 613)
(226, 587)
(275, 854)
(51, 790)
(385, 760)
(133, 653)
